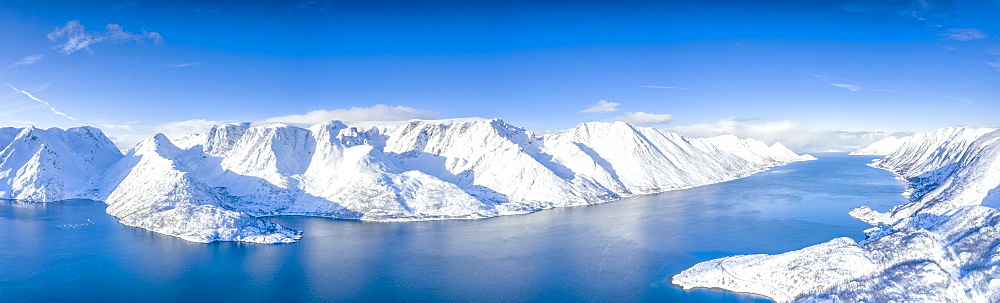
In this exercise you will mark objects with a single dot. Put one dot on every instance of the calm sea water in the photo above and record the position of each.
(619, 251)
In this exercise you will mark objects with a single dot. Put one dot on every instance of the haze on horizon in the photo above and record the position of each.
(815, 75)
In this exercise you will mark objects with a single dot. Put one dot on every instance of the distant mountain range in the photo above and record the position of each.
(942, 246)
(216, 186)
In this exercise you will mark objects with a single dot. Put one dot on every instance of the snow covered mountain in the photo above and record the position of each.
(216, 186)
(881, 147)
(941, 246)
(43, 165)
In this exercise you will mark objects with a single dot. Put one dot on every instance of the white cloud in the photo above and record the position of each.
(184, 64)
(127, 134)
(666, 87)
(29, 60)
(791, 134)
(964, 34)
(542, 132)
(602, 107)
(126, 139)
(74, 37)
(850, 87)
(643, 119)
(179, 129)
(32, 97)
(124, 127)
(378, 112)
(156, 37)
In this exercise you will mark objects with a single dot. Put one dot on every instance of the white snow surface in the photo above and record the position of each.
(881, 147)
(43, 165)
(216, 186)
(942, 246)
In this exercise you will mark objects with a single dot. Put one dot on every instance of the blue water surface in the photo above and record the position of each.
(621, 251)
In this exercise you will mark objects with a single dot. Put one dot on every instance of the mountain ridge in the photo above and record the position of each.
(218, 185)
(940, 246)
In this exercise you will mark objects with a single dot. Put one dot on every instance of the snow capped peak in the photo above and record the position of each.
(413, 170)
(332, 124)
(276, 125)
(727, 137)
(923, 152)
(881, 147)
(401, 123)
(53, 164)
(157, 144)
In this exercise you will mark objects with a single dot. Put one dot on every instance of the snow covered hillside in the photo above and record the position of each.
(940, 247)
(43, 165)
(216, 186)
(881, 147)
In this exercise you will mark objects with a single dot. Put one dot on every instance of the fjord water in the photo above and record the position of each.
(619, 251)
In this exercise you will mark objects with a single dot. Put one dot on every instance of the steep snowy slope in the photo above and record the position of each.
(45, 165)
(215, 186)
(419, 170)
(924, 152)
(941, 246)
(153, 188)
(881, 147)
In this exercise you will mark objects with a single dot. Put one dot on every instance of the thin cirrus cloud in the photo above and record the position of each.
(29, 60)
(961, 100)
(73, 37)
(995, 65)
(184, 64)
(36, 99)
(964, 34)
(850, 87)
(602, 106)
(847, 84)
(644, 119)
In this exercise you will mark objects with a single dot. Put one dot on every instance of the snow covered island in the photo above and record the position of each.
(217, 186)
(942, 246)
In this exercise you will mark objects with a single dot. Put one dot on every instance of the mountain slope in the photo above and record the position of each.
(173, 203)
(941, 246)
(215, 186)
(44, 165)
(881, 147)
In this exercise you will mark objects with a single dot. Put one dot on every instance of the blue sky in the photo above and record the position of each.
(819, 74)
